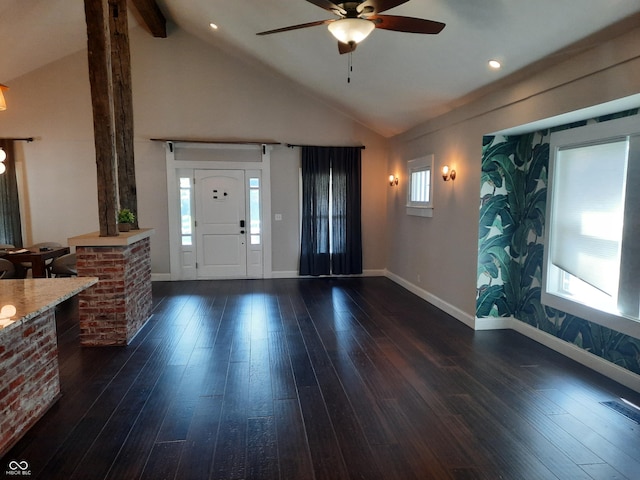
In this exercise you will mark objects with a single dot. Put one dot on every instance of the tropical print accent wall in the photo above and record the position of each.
(511, 245)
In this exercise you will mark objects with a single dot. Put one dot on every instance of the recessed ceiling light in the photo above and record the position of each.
(495, 64)
(213, 26)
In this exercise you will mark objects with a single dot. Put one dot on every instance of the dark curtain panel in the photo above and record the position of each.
(10, 228)
(314, 250)
(346, 235)
(341, 167)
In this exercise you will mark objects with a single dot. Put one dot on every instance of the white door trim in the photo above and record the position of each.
(262, 155)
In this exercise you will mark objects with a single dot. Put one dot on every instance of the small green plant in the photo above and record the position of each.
(126, 216)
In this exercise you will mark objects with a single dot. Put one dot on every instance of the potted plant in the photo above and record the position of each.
(125, 219)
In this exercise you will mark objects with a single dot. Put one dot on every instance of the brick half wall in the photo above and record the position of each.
(29, 377)
(115, 309)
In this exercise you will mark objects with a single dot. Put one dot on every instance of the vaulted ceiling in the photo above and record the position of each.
(398, 80)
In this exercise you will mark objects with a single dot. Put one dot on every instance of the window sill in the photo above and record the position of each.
(420, 211)
(612, 320)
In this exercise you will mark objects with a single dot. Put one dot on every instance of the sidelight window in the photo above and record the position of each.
(254, 211)
(186, 223)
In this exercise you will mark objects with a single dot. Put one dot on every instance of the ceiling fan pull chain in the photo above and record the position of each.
(350, 67)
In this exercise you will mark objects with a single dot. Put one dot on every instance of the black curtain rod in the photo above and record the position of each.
(29, 139)
(291, 145)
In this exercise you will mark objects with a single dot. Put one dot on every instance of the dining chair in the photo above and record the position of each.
(7, 270)
(27, 265)
(64, 266)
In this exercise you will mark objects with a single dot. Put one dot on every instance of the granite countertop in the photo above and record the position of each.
(32, 296)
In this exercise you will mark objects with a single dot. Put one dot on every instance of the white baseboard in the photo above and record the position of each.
(160, 277)
(285, 274)
(166, 277)
(588, 359)
(493, 323)
(452, 310)
(294, 274)
(374, 273)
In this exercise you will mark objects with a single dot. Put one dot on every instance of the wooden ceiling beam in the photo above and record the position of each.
(152, 17)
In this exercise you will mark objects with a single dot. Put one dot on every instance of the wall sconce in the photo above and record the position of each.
(3, 157)
(393, 180)
(3, 104)
(448, 173)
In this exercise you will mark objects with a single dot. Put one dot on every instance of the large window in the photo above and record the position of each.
(592, 262)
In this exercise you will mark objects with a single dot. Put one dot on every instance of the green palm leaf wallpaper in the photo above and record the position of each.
(511, 245)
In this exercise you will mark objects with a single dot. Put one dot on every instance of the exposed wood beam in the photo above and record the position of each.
(99, 52)
(123, 106)
(152, 17)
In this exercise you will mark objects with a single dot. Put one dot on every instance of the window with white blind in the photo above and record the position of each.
(592, 259)
(419, 192)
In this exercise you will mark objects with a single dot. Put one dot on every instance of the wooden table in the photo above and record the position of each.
(37, 259)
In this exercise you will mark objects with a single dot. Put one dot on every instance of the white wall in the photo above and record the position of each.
(182, 88)
(443, 250)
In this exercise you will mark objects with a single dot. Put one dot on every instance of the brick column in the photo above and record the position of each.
(116, 308)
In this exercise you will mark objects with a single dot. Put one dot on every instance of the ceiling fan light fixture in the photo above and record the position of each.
(351, 30)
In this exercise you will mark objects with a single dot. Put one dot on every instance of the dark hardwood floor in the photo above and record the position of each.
(322, 379)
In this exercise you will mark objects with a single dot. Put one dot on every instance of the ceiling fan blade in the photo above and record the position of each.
(328, 5)
(406, 24)
(296, 27)
(378, 6)
(346, 47)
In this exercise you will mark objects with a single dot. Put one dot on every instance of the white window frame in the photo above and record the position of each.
(552, 297)
(420, 208)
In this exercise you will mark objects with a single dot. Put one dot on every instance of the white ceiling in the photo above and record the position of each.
(399, 79)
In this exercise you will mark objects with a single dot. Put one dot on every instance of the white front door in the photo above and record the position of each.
(220, 224)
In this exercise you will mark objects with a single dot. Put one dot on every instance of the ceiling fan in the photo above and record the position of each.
(359, 18)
